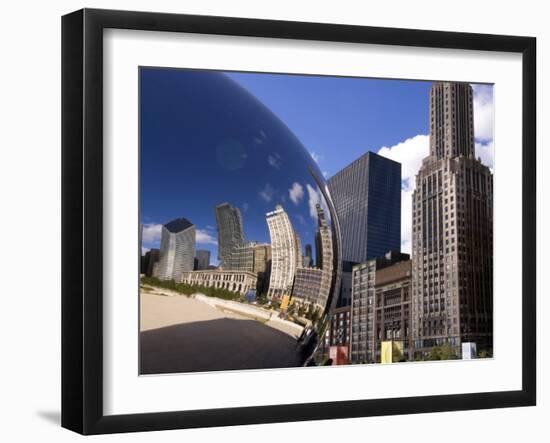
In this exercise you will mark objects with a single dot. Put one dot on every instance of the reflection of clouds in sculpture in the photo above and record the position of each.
(267, 192)
(231, 155)
(296, 192)
(315, 198)
(241, 155)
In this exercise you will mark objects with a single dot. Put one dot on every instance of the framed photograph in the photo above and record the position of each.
(269, 221)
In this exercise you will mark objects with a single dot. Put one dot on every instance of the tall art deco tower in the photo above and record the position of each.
(452, 239)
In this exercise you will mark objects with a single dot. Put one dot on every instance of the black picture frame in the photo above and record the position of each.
(82, 218)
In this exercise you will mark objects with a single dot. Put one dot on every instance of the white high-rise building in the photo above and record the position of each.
(284, 250)
(177, 249)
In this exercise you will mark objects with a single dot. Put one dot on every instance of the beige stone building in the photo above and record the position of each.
(452, 238)
(235, 281)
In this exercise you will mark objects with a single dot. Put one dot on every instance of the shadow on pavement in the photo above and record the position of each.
(216, 345)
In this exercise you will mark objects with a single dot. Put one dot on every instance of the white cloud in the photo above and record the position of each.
(151, 233)
(296, 193)
(274, 160)
(410, 154)
(316, 157)
(267, 193)
(486, 152)
(483, 112)
(301, 219)
(204, 237)
(144, 250)
(315, 198)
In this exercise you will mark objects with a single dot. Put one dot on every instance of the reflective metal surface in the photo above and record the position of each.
(213, 154)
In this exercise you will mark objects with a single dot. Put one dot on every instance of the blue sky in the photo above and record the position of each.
(336, 119)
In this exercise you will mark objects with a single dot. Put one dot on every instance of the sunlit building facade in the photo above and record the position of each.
(452, 238)
(283, 253)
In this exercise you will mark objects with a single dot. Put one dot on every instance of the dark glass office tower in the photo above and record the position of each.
(367, 197)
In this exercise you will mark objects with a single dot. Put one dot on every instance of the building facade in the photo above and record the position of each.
(392, 308)
(344, 297)
(177, 249)
(203, 259)
(335, 344)
(363, 304)
(324, 234)
(148, 262)
(452, 238)
(229, 224)
(367, 199)
(234, 281)
(250, 257)
(307, 286)
(283, 253)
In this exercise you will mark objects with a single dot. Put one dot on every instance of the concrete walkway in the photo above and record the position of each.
(182, 334)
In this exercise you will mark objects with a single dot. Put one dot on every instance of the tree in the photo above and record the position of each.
(443, 352)
(484, 353)
(397, 355)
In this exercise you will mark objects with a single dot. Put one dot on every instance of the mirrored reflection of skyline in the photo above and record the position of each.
(192, 160)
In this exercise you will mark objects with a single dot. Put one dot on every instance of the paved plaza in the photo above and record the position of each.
(182, 334)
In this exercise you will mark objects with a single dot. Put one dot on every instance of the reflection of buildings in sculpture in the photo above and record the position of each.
(452, 238)
(202, 257)
(230, 231)
(392, 310)
(363, 304)
(262, 257)
(297, 250)
(241, 258)
(307, 286)
(312, 285)
(177, 249)
(307, 261)
(283, 252)
(235, 281)
(367, 198)
(327, 255)
(148, 262)
(251, 257)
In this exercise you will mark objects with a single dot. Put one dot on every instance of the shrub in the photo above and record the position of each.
(186, 289)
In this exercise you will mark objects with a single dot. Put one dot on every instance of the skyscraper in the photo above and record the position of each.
(452, 238)
(203, 259)
(367, 198)
(283, 252)
(177, 249)
(230, 231)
